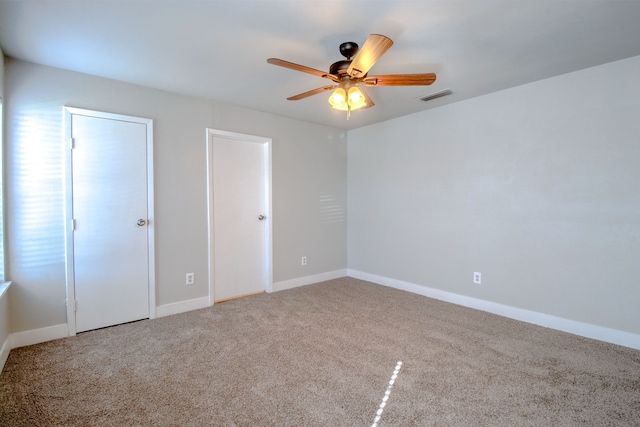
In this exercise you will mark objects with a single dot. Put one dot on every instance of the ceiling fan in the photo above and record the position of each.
(348, 74)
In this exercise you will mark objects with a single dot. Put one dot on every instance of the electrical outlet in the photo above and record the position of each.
(190, 278)
(303, 261)
(477, 278)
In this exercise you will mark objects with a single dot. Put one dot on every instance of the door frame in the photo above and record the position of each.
(211, 134)
(68, 197)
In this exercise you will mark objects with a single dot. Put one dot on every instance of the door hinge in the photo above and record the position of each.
(75, 305)
(73, 224)
(72, 143)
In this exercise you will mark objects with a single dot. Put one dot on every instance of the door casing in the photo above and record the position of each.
(211, 134)
(69, 254)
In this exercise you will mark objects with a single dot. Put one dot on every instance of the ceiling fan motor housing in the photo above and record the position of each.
(339, 68)
(348, 50)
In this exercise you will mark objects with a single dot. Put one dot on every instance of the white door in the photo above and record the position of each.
(239, 170)
(110, 209)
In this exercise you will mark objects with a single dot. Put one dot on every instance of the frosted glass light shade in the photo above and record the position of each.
(356, 98)
(342, 100)
(338, 99)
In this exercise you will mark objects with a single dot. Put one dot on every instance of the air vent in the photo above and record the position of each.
(436, 95)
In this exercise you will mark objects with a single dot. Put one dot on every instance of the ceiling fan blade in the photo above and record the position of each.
(298, 67)
(375, 46)
(400, 80)
(311, 93)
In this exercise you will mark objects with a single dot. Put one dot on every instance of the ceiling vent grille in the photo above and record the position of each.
(436, 95)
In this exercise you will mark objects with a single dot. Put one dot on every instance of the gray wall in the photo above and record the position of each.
(536, 187)
(309, 166)
(4, 299)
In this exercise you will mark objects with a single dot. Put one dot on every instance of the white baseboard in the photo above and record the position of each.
(198, 303)
(4, 352)
(5, 346)
(182, 306)
(600, 333)
(36, 336)
(308, 280)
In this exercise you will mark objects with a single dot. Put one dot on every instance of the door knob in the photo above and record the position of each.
(141, 222)
(261, 217)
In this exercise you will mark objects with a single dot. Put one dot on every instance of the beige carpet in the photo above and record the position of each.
(323, 355)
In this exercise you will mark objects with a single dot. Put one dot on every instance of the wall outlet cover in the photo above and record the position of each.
(190, 278)
(477, 278)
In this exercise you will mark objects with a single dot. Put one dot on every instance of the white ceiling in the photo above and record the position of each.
(218, 49)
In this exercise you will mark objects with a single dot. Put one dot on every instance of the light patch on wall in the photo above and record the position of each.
(330, 209)
(2, 259)
(37, 173)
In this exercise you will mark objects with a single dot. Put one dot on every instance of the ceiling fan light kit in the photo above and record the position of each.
(347, 74)
(350, 100)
